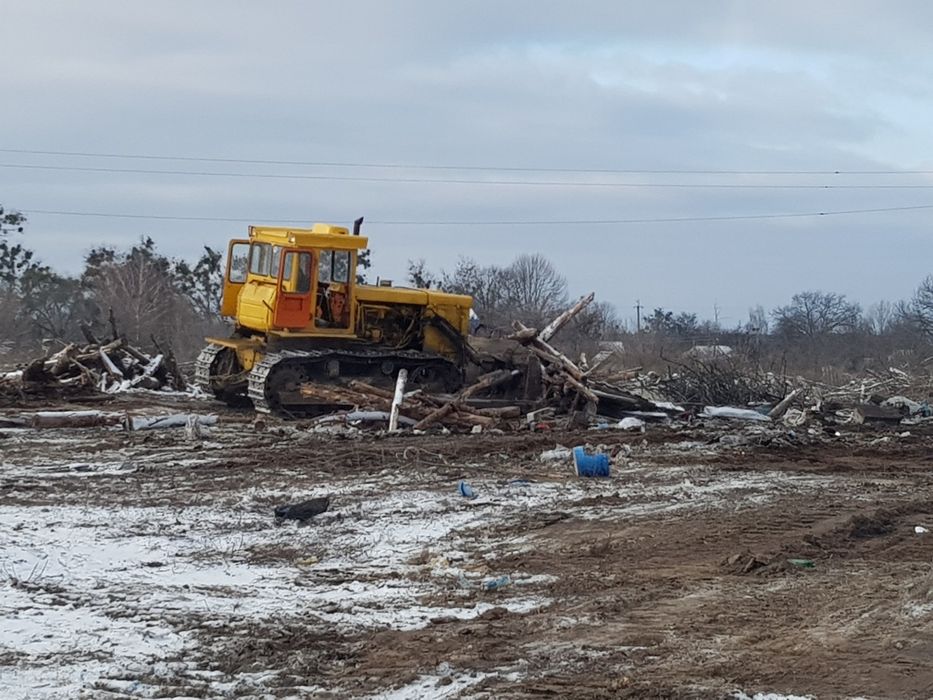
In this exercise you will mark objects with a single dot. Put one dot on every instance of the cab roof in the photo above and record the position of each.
(318, 236)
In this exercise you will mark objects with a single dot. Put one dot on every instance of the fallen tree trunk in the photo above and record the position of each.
(487, 381)
(73, 419)
(551, 329)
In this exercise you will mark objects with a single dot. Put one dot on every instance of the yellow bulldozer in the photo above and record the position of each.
(301, 316)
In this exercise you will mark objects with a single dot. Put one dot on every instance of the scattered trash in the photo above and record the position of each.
(178, 420)
(304, 510)
(869, 413)
(730, 413)
(802, 563)
(631, 424)
(794, 418)
(495, 584)
(590, 465)
(920, 530)
(466, 490)
(907, 406)
(558, 454)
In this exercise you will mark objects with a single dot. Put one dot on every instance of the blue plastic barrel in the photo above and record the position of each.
(590, 465)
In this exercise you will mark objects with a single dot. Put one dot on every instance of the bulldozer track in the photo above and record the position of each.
(202, 365)
(261, 389)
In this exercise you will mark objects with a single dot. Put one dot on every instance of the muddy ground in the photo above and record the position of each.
(149, 565)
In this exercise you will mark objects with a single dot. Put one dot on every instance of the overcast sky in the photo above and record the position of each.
(711, 86)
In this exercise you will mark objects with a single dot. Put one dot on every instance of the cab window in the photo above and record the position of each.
(239, 254)
(334, 266)
(259, 258)
(264, 259)
(302, 261)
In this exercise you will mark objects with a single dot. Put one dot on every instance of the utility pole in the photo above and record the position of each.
(638, 308)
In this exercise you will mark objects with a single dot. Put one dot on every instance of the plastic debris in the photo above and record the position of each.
(920, 530)
(596, 465)
(631, 424)
(466, 490)
(495, 584)
(558, 454)
(304, 510)
(731, 413)
(802, 563)
(912, 407)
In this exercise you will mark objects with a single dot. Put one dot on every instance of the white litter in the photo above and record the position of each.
(632, 424)
(731, 413)
(558, 454)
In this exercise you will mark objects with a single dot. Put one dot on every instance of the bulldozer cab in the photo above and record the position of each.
(294, 281)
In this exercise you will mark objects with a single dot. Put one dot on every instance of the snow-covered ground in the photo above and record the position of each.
(107, 595)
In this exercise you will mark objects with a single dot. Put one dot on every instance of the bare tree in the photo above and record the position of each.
(814, 313)
(880, 317)
(419, 276)
(921, 306)
(535, 287)
(487, 284)
(53, 304)
(138, 287)
(203, 283)
(757, 321)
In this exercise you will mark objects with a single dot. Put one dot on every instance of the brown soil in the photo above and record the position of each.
(645, 600)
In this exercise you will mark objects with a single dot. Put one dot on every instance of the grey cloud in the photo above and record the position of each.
(721, 85)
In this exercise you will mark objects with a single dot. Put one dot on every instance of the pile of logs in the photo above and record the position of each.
(563, 382)
(564, 388)
(417, 409)
(93, 367)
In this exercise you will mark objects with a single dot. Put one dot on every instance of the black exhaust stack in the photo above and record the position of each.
(357, 225)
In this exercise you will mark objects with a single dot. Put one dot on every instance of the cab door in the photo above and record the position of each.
(294, 306)
(234, 276)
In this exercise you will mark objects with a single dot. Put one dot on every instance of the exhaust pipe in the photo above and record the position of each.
(357, 225)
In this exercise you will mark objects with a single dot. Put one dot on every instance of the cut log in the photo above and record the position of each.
(436, 416)
(397, 399)
(365, 388)
(783, 405)
(61, 360)
(486, 381)
(73, 419)
(501, 412)
(109, 364)
(551, 329)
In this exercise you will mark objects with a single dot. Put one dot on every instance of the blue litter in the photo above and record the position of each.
(590, 465)
(494, 584)
(466, 490)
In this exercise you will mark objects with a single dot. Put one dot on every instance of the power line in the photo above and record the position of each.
(514, 222)
(459, 181)
(491, 168)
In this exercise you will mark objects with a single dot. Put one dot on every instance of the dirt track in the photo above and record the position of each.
(142, 565)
